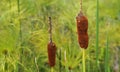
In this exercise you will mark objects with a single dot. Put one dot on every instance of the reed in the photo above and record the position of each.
(20, 69)
(51, 48)
(83, 60)
(97, 32)
(106, 49)
(82, 28)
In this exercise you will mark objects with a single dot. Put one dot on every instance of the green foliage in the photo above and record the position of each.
(34, 28)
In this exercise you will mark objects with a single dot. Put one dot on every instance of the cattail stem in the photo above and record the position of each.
(51, 48)
(50, 30)
(81, 5)
(106, 49)
(52, 70)
(83, 59)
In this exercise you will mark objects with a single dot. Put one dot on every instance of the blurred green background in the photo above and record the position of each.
(24, 35)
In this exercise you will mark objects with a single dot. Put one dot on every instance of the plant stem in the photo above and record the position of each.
(106, 51)
(52, 70)
(83, 59)
(50, 30)
(20, 69)
(60, 60)
(65, 59)
(106, 57)
(97, 33)
(37, 68)
(81, 5)
(88, 66)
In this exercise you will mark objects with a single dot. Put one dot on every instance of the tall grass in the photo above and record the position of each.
(106, 49)
(20, 69)
(97, 33)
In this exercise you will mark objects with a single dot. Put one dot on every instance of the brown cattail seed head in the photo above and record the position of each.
(51, 54)
(83, 41)
(82, 27)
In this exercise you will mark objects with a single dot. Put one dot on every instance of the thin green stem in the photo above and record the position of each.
(106, 51)
(106, 56)
(66, 67)
(60, 66)
(83, 60)
(97, 33)
(52, 70)
(80, 5)
(88, 68)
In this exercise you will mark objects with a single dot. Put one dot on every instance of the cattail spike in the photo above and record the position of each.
(82, 27)
(51, 47)
(51, 53)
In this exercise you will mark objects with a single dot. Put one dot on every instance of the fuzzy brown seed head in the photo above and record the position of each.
(82, 27)
(82, 22)
(51, 54)
(83, 41)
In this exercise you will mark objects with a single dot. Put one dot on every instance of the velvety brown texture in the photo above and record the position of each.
(82, 27)
(83, 41)
(51, 54)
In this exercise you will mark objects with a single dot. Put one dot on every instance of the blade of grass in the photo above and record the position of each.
(60, 66)
(97, 33)
(66, 67)
(106, 52)
(88, 66)
(20, 69)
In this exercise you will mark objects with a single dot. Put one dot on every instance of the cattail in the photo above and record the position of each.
(82, 27)
(51, 53)
(83, 41)
(51, 48)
